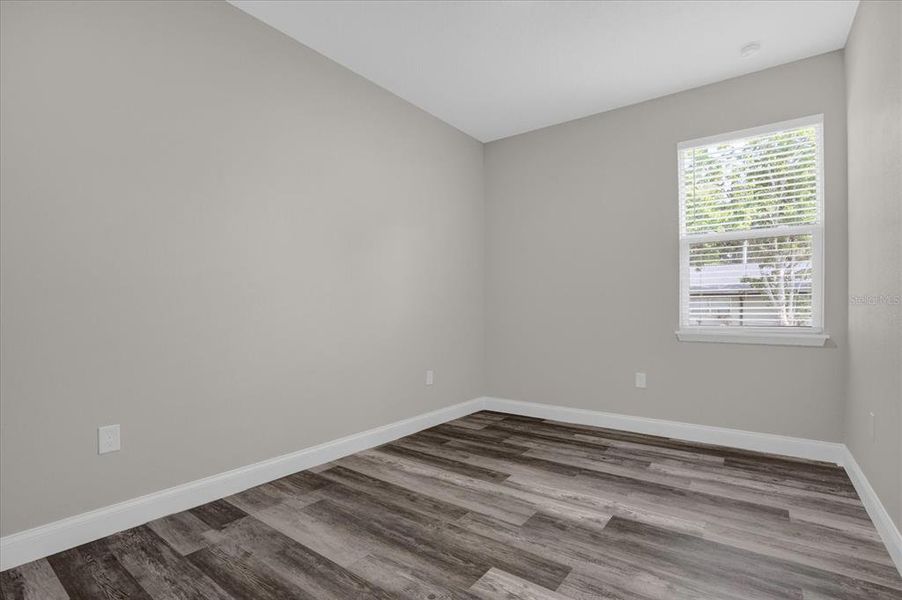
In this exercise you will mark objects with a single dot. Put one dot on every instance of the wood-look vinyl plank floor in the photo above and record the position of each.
(501, 506)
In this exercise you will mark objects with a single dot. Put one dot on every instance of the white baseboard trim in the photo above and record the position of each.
(721, 436)
(31, 544)
(882, 521)
(25, 546)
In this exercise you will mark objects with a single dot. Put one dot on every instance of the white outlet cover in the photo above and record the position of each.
(430, 377)
(640, 380)
(108, 439)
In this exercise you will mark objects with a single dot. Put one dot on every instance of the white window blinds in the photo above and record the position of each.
(751, 229)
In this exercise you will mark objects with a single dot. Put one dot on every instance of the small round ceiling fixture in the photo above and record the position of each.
(749, 49)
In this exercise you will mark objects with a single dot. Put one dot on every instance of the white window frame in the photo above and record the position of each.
(793, 336)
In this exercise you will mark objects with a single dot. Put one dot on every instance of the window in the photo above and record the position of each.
(751, 235)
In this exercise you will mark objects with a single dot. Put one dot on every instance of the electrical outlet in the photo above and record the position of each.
(108, 439)
(640, 380)
(873, 428)
(430, 377)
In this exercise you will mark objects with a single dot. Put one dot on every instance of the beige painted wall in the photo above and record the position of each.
(221, 240)
(874, 97)
(582, 264)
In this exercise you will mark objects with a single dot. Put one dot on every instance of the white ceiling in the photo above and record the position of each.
(495, 69)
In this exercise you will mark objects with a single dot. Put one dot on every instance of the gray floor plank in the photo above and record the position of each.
(498, 584)
(33, 581)
(92, 571)
(159, 569)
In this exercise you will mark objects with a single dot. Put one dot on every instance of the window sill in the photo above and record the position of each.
(753, 337)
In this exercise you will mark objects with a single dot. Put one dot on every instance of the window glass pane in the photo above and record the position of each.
(752, 282)
(752, 183)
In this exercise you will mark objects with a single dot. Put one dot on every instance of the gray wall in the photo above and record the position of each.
(582, 267)
(221, 240)
(874, 97)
